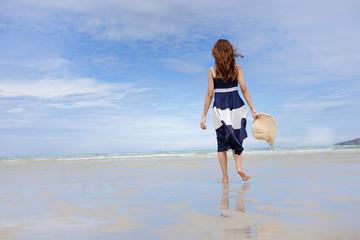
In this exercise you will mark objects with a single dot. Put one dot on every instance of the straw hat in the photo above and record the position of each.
(264, 128)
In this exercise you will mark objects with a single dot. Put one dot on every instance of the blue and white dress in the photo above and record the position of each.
(229, 115)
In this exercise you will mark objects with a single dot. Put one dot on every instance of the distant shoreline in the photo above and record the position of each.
(350, 142)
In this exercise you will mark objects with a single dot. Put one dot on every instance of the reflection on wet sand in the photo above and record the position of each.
(224, 204)
(239, 224)
(231, 231)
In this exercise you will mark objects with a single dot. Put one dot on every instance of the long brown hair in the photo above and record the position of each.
(225, 65)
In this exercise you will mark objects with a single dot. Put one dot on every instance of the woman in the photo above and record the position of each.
(229, 111)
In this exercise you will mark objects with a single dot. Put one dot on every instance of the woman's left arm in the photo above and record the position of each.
(244, 90)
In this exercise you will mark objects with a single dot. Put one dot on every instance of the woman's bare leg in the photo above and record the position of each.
(223, 164)
(238, 160)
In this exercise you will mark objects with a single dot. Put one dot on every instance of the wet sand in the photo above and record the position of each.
(291, 195)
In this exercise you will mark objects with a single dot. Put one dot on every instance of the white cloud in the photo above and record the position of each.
(184, 65)
(320, 136)
(87, 102)
(48, 64)
(57, 88)
(15, 110)
(312, 105)
(310, 136)
(293, 49)
(125, 20)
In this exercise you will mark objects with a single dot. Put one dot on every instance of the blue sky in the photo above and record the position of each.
(82, 77)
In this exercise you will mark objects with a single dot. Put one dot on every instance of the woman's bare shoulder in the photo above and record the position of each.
(239, 69)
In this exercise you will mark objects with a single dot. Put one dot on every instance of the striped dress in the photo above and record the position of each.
(229, 115)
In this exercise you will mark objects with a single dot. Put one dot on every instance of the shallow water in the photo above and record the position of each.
(298, 193)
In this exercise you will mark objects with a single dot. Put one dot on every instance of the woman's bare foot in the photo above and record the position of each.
(224, 181)
(243, 175)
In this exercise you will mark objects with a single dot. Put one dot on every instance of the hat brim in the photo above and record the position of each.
(269, 123)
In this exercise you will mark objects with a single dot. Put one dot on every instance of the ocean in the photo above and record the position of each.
(195, 155)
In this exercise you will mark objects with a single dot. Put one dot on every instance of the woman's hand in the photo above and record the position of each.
(202, 123)
(253, 113)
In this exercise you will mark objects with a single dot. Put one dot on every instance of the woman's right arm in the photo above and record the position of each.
(208, 99)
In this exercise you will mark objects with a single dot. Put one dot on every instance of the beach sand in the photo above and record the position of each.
(292, 194)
